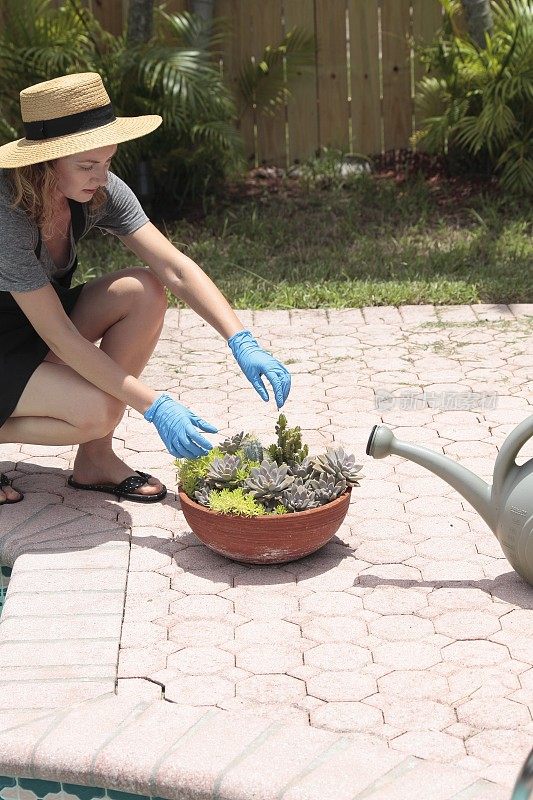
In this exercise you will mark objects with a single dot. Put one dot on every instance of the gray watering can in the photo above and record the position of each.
(506, 506)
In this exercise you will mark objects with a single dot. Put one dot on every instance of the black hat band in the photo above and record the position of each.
(73, 123)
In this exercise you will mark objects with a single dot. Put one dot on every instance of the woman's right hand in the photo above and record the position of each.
(179, 428)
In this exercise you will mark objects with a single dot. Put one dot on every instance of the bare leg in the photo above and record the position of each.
(139, 301)
(126, 310)
(49, 412)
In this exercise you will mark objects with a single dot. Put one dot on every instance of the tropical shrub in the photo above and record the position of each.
(171, 75)
(476, 102)
(175, 74)
(242, 477)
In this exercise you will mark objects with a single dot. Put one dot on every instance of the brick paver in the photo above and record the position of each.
(396, 662)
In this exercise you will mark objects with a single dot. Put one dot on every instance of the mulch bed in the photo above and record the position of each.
(394, 165)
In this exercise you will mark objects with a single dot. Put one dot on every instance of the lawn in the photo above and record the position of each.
(368, 240)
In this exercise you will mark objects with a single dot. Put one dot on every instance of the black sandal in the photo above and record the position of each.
(4, 481)
(125, 490)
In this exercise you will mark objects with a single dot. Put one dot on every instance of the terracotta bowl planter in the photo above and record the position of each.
(265, 539)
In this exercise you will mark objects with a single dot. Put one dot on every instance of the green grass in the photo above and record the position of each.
(368, 242)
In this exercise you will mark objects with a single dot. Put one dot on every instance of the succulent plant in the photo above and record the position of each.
(299, 497)
(303, 469)
(252, 449)
(267, 482)
(241, 477)
(192, 471)
(231, 445)
(235, 501)
(339, 464)
(202, 495)
(327, 487)
(222, 473)
(289, 448)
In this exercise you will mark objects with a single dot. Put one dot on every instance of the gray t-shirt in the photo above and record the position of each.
(21, 270)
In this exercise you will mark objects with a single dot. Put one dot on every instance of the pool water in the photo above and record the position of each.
(34, 789)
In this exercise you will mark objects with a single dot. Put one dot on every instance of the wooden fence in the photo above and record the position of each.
(359, 95)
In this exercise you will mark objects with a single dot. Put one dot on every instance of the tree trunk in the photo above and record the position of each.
(140, 21)
(479, 19)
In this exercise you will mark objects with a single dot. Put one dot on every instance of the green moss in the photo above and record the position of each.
(235, 501)
(245, 468)
(192, 470)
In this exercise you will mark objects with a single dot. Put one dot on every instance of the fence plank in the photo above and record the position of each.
(302, 111)
(319, 113)
(266, 29)
(332, 66)
(176, 6)
(427, 19)
(111, 15)
(364, 76)
(397, 101)
(237, 49)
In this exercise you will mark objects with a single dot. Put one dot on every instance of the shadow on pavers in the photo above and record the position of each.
(55, 518)
(508, 586)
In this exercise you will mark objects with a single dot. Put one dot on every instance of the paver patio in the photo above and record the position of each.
(397, 662)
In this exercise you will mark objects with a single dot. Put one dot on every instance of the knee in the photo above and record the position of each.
(149, 290)
(104, 415)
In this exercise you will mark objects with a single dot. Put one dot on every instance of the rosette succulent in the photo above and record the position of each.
(223, 472)
(299, 497)
(202, 495)
(327, 487)
(303, 470)
(251, 448)
(231, 445)
(339, 464)
(267, 482)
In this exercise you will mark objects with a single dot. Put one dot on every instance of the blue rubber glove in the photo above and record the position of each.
(178, 428)
(254, 362)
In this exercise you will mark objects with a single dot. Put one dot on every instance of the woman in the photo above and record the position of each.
(56, 386)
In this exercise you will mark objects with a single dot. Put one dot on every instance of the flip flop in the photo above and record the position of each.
(125, 490)
(4, 481)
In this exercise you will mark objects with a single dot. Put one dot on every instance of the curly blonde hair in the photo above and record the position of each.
(33, 188)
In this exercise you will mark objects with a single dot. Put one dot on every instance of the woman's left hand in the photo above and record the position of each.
(255, 362)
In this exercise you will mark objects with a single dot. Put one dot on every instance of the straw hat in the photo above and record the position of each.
(69, 115)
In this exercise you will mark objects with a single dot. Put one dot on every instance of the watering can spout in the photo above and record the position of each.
(382, 442)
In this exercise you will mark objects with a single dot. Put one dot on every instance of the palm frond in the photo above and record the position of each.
(38, 41)
(190, 31)
(265, 83)
(7, 131)
(217, 132)
(516, 166)
(480, 100)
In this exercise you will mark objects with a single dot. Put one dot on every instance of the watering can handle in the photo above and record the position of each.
(506, 459)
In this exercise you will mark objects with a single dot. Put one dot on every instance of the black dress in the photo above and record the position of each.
(21, 348)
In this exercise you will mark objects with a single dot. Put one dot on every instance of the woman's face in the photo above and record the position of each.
(80, 175)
